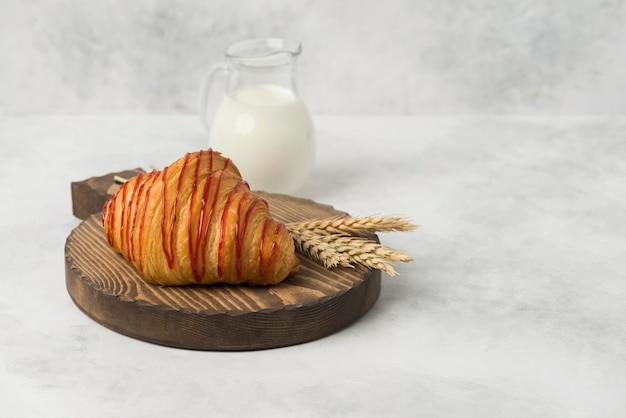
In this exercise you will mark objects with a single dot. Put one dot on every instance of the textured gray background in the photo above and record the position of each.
(360, 57)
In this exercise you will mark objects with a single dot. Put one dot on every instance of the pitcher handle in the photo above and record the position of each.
(207, 82)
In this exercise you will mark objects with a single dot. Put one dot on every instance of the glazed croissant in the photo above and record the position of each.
(197, 222)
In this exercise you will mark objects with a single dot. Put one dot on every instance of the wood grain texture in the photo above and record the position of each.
(310, 305)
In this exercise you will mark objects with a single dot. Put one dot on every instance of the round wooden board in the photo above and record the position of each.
(310, 305)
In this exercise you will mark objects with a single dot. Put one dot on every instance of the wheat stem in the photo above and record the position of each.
(119, 179)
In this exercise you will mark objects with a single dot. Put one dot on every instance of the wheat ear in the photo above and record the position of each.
(356, 225)
(339, 241)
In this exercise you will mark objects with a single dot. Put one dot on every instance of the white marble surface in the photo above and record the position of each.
(360, 56)
(513, 307)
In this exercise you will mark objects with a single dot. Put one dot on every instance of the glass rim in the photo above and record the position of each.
(259, 48)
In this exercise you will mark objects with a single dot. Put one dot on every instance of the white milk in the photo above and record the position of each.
(267, 132)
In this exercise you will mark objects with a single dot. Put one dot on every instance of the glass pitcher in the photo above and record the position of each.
(261, 123)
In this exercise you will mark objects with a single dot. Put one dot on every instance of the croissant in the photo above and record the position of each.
(197, 222)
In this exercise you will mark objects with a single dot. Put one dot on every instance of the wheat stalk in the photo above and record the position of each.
(356, 225)
(339, 241)
(119, 179)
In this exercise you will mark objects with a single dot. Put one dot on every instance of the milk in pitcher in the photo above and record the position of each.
(267, 131)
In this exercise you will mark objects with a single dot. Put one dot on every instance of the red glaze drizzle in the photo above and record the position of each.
(193, 252)
(165, 242)
(108, 215)
(204, 223)
(130, 225)
(266, 263)
(175, 208)
(123, 213)
(241, 231)
(142, 222)
(199, 235)
(168, 220)
(220, 250)
(133, 214)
